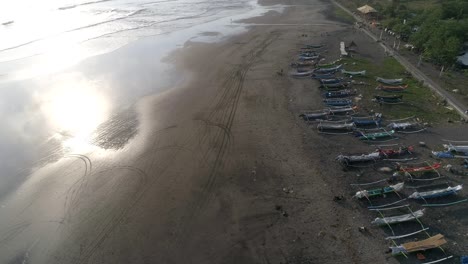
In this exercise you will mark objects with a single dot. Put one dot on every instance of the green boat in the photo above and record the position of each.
(379, 191)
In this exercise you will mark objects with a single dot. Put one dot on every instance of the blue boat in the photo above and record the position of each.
(323, 76)
(368, 121)
(436, 193)
(330, 81)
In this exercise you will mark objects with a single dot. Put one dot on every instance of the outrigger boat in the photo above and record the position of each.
(301, 74)
(327, 65)
(448, 155)
(329, 70)
(390, 81)
(306, 58)
(331, 127)
(330, 81)
(406, 125)
(316, 115)
(336, 86)
(380, 191)
(391, 153)
(323, 76)
(342, 109)
(436, 193)
(368, 121)
(399, 88)
(351, 160)
(456, 148)
(427, 168)
(354, 73)
(314, 46)
(398, 219)
(395, 99)
(429, 243)
(338, 102)
(374, 135)
(340, 94)
(303, 64)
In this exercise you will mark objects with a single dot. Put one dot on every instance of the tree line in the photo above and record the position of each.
(438, 31)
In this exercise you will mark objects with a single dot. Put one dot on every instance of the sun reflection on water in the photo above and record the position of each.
(74, 108)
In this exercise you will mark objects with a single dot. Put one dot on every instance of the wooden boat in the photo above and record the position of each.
(429, 243)
(354, 73)
(336, 86)
(338, 102)
(380, 191)
(390, 81)
(433, 167)
(329, 70)
(436, 193)
(330, 81)
(391, 153)
(374, 136)
(342, 109)
(395, 99)
(385, 88)
(333, 127)
(302, 74)
(306, 58)
(323, 76)
(340, 94)
(367, 121)
(314, 46)
(315, 115)
(398, 219)
(303, 64)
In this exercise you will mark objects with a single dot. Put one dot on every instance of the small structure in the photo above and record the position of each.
(351, 47)
(343, 49)
(368, 11)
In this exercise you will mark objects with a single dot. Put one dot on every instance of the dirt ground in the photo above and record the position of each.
(223, 170)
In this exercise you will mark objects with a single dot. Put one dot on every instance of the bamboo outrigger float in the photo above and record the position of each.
(429, 243)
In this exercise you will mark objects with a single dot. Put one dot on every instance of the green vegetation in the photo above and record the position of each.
(343, 15)
(419, 100)
(436, 28)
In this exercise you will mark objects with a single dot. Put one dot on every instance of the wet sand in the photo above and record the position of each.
(221, 170)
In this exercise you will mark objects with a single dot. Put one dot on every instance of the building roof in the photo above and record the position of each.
(366, 9)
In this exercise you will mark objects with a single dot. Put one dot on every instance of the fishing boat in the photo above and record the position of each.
(375, 120)
(333, 127)
(303, 64)
(390, 81)
(338, 102)
(328, 70)
(354, 73)
(307, 58)
(398, 88)
(427, 168)
(407, 125)
(315, 115)
(336, 86)
(323, 76)
(374, 135)
(436, 193)
(398, 219)
(340, 94)
(351, 160)
(422, 245)
(379, 191)
(301, 74)
(331, 81)
(456, 148)
(394, 99)
(342, 109)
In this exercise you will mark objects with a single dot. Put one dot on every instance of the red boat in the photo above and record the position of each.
(435, 166)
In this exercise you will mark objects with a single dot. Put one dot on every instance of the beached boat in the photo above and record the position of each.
(350, 160)
(342, 109)
(436, 193)
(331, 81)
(375, 120)
(388, 99)
(354, 73)
(407, 125)
(323, 76)
(338, 102)
(448, 155)
(340, 94)
(314, 46)
(301, 74)
(315, 115)
(333, 127)
(422, 245)
(398, 219)
(380, 191)
(336, 86)
(299, 64)
(374, 135)
(391, 153)
(307, 58)
(398, 88)
(328, 70)
(417, 169)
(456, 148)
(390, 81)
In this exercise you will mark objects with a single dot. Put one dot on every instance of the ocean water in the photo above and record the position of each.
(39, 37)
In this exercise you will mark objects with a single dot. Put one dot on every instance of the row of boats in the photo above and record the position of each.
(340, 116)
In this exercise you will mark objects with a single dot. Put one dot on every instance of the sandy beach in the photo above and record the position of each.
(221, 169)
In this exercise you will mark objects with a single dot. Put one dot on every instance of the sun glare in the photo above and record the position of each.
(76, 108)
